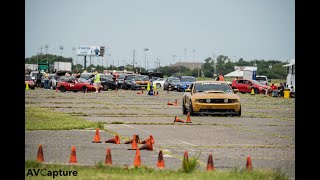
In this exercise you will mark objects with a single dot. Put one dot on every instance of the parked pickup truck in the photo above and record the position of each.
(263, 80)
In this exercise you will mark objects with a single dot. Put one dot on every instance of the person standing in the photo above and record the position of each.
(38, 81)
(97, 81)
(221, 78)
(46, 81)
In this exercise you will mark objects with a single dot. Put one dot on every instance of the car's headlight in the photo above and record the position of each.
(233, 100)
(200, 100)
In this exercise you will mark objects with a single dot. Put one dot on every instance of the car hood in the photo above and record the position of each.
(215, 94)
(141, 82)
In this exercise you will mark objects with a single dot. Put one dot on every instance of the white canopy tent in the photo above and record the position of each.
(237, 73)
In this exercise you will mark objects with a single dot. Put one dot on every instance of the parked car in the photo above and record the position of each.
(173, 84)
(128, 82)
(140, 82)
(185, 82)
(211, 97)
(167, 82)
(120, 80)
(108, 82)
(263, 80)
(159, 82)
(28, 79)
(75, 85)
(245, 86)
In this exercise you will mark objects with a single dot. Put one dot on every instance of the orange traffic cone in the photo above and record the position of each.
(149, 139)
(249, 164)
(40, 154)
(96, 138)
(177, 119)
(73, 156)
(185, 157)
(169, 103)
(108, 160)
(115, 140)
(130, 141)
(160, 163)
(137, 160)
(148, 146)
(188, 118)
(210, 166)
(134, 145)
(175, 102)
(138, 93)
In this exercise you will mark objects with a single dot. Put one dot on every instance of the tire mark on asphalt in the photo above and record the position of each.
(136, 128)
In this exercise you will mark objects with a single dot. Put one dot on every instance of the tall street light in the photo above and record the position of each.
(61, 48)
(73, 49)
(145, 58)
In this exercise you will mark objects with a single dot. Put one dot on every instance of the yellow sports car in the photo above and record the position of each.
(211, 97)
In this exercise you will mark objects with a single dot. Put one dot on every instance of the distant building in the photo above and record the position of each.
(190, 65)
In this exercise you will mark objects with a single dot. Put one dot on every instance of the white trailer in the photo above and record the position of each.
(291, 70)
(33, 67)
(249, 73)
(62, 66)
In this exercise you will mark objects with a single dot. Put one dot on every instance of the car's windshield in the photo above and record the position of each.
(86, 75)
(188, 79)
(174, 81)
(27, 78)
(129, 77)
(121, 76)
(105, 76)
(141, 78)
(212, 86)
(261, 78)
(255, 82)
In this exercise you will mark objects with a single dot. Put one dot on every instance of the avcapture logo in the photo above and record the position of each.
(54, 173)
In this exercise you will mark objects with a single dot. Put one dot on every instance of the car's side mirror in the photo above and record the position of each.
(235, 90)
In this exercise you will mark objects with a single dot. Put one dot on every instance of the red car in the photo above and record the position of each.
(30, 82)
(75, 85)
(245, 86)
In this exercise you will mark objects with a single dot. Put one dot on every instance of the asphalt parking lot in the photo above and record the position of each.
(265, 131)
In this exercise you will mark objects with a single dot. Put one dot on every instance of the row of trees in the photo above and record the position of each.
(222, 64)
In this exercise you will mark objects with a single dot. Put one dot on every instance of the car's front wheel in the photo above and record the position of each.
(62, 89)
(184, 109)
(191, 109)
(239, 113)
(105, 87)
(84, 89)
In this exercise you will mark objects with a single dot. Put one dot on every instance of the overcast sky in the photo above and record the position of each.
(172, 30)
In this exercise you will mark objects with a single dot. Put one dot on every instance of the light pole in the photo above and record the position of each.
(61, 48)
(73, 49)
(145, 58)
(174, 58)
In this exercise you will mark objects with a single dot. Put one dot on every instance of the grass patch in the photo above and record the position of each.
(43, 119)
(100, 171)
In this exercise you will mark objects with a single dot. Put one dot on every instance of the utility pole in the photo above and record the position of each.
(134, 52)
(174, 57)
(193, 51)
(185, 54)
(145, 58)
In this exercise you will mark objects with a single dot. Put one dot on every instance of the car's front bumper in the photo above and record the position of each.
(219, 108)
